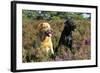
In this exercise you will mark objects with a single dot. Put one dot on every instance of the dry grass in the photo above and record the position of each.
(81, 41)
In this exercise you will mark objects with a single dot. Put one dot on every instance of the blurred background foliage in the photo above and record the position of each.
(53, 15)
(81, 35)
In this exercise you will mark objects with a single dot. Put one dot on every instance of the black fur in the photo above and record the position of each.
(66, 35)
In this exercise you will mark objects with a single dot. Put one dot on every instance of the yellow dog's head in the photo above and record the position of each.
(45, 29)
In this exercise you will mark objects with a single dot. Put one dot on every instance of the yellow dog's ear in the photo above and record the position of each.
(39, 26)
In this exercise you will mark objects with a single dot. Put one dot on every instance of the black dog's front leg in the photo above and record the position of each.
(61, 41)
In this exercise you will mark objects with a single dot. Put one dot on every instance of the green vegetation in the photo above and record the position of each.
(81, 36)
(53, 15)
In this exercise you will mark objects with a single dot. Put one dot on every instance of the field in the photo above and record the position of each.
(81, 41)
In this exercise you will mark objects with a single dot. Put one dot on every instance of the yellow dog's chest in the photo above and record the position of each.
(46, 43)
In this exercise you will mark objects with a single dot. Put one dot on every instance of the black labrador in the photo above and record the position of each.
(66, 35)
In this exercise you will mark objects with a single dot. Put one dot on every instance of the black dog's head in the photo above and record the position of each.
(69, 24)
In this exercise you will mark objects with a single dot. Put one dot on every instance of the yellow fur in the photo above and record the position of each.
(45, 44)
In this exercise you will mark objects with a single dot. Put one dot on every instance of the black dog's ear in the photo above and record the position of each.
(69, 21)
(66, 23)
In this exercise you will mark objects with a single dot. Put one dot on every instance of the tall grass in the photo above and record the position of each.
(81, 41)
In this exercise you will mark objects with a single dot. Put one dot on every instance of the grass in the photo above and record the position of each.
(81, 41)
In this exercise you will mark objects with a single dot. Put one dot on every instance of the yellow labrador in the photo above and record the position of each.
(44, 37)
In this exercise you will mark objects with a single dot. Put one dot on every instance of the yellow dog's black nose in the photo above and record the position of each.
(48, 32)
